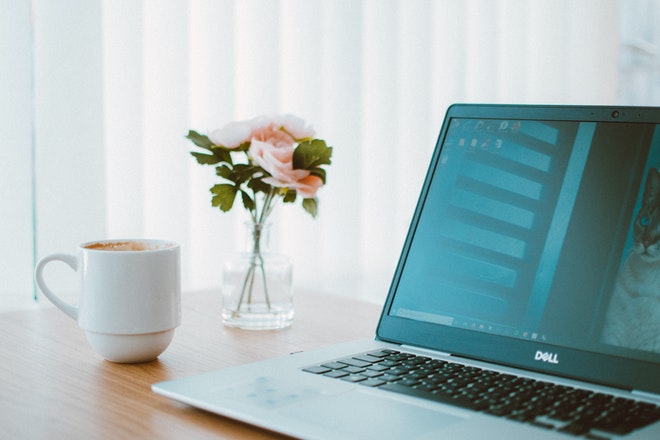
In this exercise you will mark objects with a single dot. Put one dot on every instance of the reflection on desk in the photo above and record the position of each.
(52, 385)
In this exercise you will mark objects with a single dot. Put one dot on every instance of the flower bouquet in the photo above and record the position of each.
(262, 160)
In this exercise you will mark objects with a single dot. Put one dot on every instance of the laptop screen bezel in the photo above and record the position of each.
(589, 366)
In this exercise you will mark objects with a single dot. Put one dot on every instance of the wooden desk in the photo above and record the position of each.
(52, 385)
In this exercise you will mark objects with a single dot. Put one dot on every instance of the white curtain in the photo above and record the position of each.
(118, 83)
(640, 54)
(16, 155)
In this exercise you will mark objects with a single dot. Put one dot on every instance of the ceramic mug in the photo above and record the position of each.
(130, 296)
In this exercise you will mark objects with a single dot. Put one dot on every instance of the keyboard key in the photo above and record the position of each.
(317, 370)
(397, 371)
(334, 365)
(576, 428)
(390, 363)
(378, 367)
(368, 358)
(354, 378)
(390, 378)
(335, 374)
(371, 373)
(379, 353)
(373, 382)
(354, 362)
(409, 382)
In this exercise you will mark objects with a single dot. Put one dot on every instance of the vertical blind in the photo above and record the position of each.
(105, 92)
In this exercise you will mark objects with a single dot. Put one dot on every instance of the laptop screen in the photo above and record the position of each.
(540, 229)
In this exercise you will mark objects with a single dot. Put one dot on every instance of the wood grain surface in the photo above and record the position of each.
(52, 385)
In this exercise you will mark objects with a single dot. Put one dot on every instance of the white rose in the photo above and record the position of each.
(295, 126)
(232, 135)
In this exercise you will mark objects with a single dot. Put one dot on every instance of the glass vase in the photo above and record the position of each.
(257, 286)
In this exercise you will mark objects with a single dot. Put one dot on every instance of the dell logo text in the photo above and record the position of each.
(546, 357)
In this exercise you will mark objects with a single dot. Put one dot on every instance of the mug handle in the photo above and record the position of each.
(72, 262)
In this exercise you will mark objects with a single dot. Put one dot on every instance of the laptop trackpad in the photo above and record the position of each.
(367, 416)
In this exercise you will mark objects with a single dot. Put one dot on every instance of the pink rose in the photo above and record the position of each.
(308, 186)
(272, 143)
(272, 134)
(277, 159)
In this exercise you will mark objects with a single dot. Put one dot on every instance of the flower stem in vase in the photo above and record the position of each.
(256, 263)
(257, 285)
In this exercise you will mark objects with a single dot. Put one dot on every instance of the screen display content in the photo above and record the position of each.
(546, 231)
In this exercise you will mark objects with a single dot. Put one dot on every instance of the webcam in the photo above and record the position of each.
(615, 114)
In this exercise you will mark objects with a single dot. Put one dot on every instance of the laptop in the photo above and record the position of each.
(525, 304)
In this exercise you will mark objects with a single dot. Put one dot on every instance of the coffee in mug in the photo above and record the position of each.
(127, 245)
(130, 296)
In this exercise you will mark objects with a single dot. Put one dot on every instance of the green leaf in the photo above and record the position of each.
(290, 196)
(311, 154)
(244, 172)
(224, 196)
(318, 172)
(200, 140)
(311, 206)
(206, 159)
(248, 203)
(222, 154)
(223, 171)
(245, 146)
(258, 185)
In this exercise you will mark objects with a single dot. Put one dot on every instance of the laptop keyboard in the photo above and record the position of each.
(570, 410)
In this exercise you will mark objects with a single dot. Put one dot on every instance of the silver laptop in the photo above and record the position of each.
(526, 302)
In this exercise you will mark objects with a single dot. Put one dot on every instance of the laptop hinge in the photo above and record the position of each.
(645, 395)
(425, 350)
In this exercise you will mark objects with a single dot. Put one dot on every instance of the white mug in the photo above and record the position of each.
(130, 296)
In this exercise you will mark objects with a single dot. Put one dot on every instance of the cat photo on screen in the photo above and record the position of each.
(636, 295)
